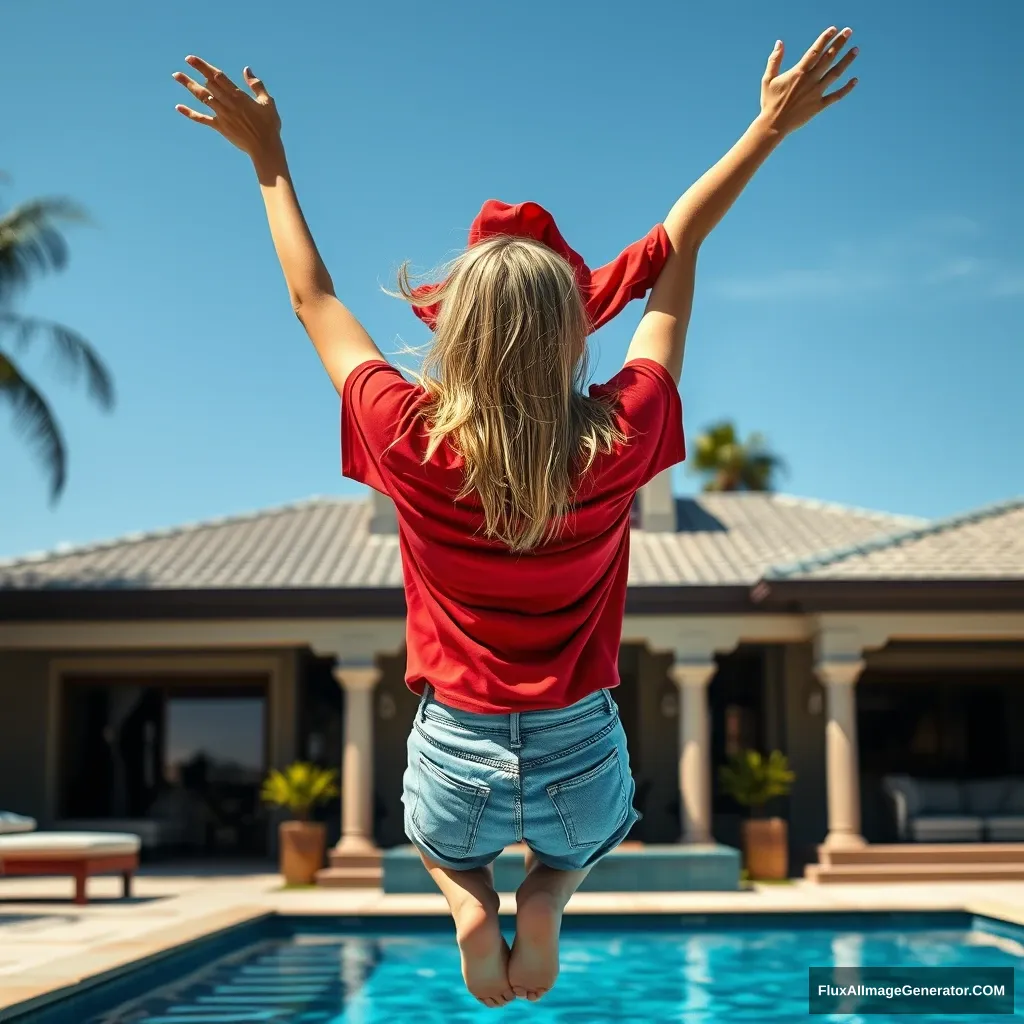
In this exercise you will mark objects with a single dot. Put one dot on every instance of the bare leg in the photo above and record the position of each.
(474, 906)
(540, 901)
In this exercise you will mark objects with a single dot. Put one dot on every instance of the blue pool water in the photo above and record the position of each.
(699, 972)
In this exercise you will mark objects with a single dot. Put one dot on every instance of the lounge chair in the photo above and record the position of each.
(78, 854)
(11, 823)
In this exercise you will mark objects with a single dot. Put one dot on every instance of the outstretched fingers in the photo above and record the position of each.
(216, 81)
(200, 92)
(817, 50)
(839, 69)
(774, 62)
(835, 97)
(256, 84)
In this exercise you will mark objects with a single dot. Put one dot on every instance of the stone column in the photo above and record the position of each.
(357, 759)
(692, 679)
(841, 763)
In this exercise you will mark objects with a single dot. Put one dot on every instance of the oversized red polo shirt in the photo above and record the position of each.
(489, 630)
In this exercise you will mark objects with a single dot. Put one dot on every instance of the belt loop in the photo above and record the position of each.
(609, 701)
(424, 701)
(515, 739)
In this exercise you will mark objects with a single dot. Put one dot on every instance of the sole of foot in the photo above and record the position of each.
(485, 954)
(533, 965)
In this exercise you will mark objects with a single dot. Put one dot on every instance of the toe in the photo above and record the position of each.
(489, 1002)
(520, 992)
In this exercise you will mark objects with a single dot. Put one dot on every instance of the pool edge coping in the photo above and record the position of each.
(121, 957)
(153, 947)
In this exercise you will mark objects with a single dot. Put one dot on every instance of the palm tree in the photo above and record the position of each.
(31, 243)
(728, 464)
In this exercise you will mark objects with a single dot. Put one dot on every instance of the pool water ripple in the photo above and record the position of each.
(697, 977)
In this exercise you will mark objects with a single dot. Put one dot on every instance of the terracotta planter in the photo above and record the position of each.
(302, 851)
(766, 848)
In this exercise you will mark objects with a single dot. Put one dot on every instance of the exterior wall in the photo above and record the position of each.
(804, 706)
(24, 724)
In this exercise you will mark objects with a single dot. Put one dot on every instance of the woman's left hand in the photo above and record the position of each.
(250, 122)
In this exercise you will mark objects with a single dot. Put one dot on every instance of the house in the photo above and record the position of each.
(151, 681)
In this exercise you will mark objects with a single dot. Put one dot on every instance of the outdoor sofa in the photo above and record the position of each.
(951, 811)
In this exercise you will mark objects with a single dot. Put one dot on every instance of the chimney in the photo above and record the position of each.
(658, 505)
(383, 517)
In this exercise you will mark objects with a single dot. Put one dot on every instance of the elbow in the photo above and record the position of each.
(304, 303)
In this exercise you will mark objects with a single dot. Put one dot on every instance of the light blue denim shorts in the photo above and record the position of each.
(557, 780)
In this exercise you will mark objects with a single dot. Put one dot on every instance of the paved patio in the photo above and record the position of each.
(47, 943)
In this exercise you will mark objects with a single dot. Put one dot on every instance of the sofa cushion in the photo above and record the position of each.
(946, 828)
(64, 845)
(1005, 828)
(1013, 802)
(11, 823)
(985, 796)
(940, 796)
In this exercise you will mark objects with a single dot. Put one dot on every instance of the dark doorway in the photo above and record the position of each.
(737, 701)
(183, 758)
(933, 725)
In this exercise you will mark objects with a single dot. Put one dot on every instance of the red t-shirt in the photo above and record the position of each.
(489, 630)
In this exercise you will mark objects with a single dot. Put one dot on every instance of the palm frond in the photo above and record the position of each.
(31, 241)
(75, 356)
(34, 419)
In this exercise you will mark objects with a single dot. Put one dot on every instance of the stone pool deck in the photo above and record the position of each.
(47, 944)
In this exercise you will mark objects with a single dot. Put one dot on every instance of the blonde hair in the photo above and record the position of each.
(504, 378)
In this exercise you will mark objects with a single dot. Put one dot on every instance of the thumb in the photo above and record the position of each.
(774, 61)
(255, 84)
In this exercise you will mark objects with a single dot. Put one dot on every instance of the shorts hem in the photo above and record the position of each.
(444, 861)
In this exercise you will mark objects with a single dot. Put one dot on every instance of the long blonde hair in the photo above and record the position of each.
(504, 378)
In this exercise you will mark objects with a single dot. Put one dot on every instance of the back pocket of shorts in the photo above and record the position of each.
(592, 805)
(447, 811)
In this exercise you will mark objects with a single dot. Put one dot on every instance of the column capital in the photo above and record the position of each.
(357, 678)
(698, 674)
(839, 673)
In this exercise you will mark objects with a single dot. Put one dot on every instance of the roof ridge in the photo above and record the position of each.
(891, 540)
(141, 537)
(838, 506)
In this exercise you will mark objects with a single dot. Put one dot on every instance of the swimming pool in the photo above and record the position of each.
(710, 970)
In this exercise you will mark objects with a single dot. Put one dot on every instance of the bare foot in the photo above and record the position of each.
(485, 953)
(533, 965)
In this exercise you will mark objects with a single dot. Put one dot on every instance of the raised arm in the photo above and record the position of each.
(251, 123)
(788, 101)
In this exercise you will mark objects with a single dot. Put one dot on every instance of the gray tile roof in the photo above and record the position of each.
(987, 544)
(733, 539)
(326, 543)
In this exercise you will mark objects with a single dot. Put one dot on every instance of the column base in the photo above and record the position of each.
(844, 841)
(355, 864)
(358, 846)
(696, 840)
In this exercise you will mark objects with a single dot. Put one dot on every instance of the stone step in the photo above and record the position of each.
(350, 878)
(880, 873)
(343, 859)
(924, 853)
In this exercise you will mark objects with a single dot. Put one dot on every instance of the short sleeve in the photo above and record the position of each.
(650, 413)
(377, 405)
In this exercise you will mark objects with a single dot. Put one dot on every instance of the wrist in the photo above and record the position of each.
(766, 130)
(269, 159)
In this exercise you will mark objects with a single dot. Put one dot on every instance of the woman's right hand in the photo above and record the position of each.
(249, 121)
(789, 100)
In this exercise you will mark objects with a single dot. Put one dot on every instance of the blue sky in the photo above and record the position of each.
(862, 304)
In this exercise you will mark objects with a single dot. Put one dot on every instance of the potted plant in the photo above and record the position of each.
(300, 788)
(753, 780)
